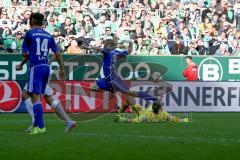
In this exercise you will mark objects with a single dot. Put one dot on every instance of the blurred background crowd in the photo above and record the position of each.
(155, 27)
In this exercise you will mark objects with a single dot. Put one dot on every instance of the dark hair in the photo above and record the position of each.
(10, 31)
(178, 37)
(188, 57)
(37, 19)
(68, 18)
(197, 10)
(216, 14)
(155, 107)
(104, 14)
(64, 10)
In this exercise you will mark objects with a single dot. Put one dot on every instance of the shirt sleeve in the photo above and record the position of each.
(54, 46)
(124, 53)
(104, 51)
(26, 44)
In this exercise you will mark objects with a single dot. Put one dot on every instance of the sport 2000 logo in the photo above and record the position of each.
(10, 96)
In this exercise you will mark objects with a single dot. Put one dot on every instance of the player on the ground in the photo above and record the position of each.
(150, 114)
(35, 48)
(112, 82)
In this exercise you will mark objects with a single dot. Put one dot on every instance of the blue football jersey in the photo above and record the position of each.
(110, 57)
(37, 44)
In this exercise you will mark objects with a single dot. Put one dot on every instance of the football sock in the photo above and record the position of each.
(29, 107)
(174, 119)
(59, 110)
(118, 100)
(38, 115)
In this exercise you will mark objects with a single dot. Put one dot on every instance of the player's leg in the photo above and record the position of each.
(102, 85)
(130, 101)
(29, 106)
(55, 104)
(34, 87)
(120, 86)
(37, 84)
(143, 95)
(175, 119)
(60, 111)
(137, 109)
(95, 87)
(39, 126)
(38, 110)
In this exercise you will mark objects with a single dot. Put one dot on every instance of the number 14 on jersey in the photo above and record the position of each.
(42, 49)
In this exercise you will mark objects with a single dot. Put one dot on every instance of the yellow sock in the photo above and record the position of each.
(173, 119)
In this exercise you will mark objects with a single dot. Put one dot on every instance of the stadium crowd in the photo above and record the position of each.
(155, 27)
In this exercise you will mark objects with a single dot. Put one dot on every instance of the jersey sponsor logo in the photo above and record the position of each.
(10, 96)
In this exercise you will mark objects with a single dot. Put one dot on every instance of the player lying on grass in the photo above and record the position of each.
(150, 114)
(112, 82)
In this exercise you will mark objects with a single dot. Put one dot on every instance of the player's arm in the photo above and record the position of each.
(59, 59)
(52, 58)
(126, 52)
(94, 48)
(58, 55)
(24, 60)
(25, 50)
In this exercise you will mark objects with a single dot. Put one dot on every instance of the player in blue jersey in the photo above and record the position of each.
(53, 103)
(112, 82)
(35, 48)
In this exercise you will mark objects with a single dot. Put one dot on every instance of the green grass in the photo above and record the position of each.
(210, 136)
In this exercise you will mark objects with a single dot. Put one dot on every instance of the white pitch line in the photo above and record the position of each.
(170, 138)
(219, 140)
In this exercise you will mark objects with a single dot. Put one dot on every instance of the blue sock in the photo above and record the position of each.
(146, 96)
(35, 124)
(38, 115)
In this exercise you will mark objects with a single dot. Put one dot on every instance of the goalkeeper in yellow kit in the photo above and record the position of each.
(151, 114)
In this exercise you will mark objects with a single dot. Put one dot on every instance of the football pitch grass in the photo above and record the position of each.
(209, 136)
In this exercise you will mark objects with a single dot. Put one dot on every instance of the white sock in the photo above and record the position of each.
(59, 110)
(29, 107)
(119, 100)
